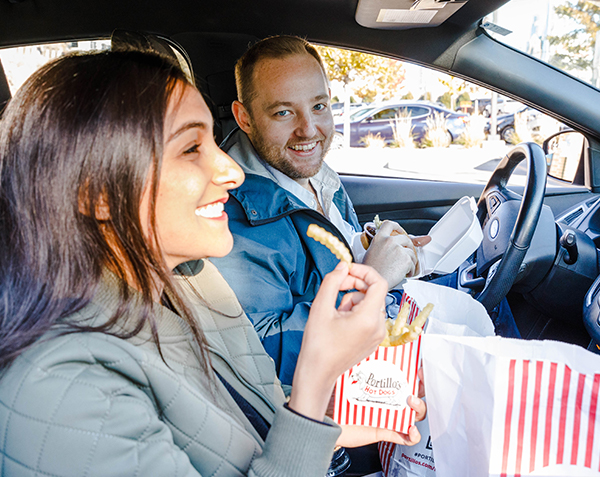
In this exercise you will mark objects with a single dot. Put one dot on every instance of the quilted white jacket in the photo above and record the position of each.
(89, 404)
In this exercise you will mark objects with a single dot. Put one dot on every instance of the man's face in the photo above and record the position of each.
(290, 124)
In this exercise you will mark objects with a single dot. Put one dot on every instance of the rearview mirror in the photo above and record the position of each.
(563, 153)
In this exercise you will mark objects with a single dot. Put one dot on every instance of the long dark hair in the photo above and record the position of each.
(84, 132)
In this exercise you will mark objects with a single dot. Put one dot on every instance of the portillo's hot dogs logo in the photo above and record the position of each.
(377, 382)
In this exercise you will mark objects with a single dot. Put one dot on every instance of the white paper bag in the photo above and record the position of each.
(409, 461)
(505, 407)
(454, 313)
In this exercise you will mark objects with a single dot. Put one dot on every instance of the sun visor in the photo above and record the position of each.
(405, 14)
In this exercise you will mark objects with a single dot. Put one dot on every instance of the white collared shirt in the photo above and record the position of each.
(325, 186)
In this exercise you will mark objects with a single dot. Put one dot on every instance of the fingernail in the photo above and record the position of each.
(340, 266)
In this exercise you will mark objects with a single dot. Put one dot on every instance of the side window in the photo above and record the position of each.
(425, 124)
(385, 114)
(414, 111)
(20, 62)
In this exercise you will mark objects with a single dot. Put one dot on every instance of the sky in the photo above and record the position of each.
(518, 16)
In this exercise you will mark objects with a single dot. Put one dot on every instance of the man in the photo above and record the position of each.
(286, 126)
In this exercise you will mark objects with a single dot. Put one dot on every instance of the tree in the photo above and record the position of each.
(445, 99)
(575, 50)
(455, 86)
(463, 102)
(370, 77)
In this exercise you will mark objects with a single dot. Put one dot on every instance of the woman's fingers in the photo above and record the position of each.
(356, 436)
(421, 391)
(419, 407)
(350, 300)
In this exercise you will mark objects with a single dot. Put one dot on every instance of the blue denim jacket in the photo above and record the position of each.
(274, 268)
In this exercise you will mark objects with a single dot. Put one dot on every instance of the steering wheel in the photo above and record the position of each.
(504, 245)
(591, 315)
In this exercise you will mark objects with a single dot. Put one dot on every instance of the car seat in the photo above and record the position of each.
(4, 90)
(213, 56)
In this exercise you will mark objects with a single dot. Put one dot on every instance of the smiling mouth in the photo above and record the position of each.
(211, 211)
(304, 147)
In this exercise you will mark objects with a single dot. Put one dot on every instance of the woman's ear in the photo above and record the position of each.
(242, 116)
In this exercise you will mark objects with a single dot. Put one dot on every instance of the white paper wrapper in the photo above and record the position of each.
(455, 313)
(409, 461)
(453, 239)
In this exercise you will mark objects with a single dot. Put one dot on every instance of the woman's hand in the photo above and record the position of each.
(335, 339)
(356, 436)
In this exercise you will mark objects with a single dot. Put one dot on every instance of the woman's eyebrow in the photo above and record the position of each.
(185, 127)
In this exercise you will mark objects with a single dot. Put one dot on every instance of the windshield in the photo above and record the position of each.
(562, 33)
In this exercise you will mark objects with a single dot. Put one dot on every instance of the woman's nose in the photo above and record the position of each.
(226, 171)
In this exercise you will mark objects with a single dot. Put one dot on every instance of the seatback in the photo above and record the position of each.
(4, 90)
(213, 56)
(210, 60)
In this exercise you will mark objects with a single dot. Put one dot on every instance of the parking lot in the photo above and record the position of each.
(455, 163)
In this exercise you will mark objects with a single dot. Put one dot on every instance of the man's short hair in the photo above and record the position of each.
(275, 47)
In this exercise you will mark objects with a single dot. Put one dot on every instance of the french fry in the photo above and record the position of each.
(399, 333)
(399, 326)
(332, 243)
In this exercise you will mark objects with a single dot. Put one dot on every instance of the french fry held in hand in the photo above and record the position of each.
(332, 243)
(399, 333)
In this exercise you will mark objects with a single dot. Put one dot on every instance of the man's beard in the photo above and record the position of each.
(275, 156)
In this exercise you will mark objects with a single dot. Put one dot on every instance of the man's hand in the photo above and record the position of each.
(392, 253)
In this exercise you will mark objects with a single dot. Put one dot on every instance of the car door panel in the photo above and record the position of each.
(418, 204)
(384, 129)
(415, 204)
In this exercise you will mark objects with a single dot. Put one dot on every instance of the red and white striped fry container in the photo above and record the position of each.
(374, 392)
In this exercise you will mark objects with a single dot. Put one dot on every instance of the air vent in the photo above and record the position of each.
(573, 215)
(591, 202)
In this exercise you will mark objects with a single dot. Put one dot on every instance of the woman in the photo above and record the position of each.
(110, 179)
